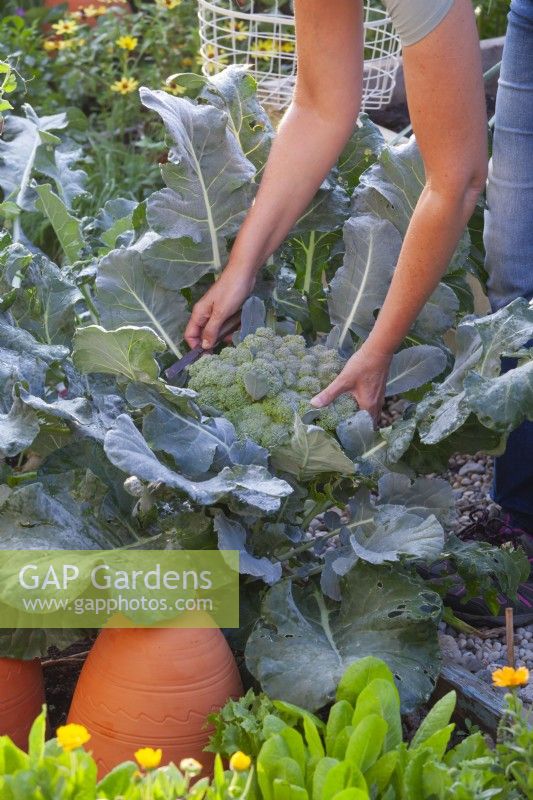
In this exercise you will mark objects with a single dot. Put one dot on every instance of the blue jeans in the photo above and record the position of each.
(509, 229)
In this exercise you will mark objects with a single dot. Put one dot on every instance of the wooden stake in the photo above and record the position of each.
(509, 636)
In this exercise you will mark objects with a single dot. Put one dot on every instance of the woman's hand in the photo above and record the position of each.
(224, 298)
(364, 377)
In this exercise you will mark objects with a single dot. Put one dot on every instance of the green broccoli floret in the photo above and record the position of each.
(265, 380)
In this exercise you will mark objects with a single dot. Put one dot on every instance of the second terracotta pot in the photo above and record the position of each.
(21, 697)
(153, 688)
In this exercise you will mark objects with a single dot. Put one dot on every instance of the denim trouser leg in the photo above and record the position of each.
(509, 227)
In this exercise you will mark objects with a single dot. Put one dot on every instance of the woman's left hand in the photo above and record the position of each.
(364, 377)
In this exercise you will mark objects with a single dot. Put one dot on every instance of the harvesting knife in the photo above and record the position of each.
(230, 326)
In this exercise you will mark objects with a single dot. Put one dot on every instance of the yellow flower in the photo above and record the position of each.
(173, 87)
(66, 44)
(94, 11)
(212, 52)
(148, 758)
(240, 762)
(49, 45)
(509, 676)
(65, 27)
(264, 49)
(168, 4)
(127, 42)
(287, 47)
(72, 736)
(125, 85)
(191, 766)
(187, 61)
(240, 29)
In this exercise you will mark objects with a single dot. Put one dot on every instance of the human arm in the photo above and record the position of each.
(446, 101)
(311, 136)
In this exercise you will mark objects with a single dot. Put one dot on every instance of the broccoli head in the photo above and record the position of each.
(260, 385)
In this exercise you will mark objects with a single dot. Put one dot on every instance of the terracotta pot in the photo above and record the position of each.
(153, 688)
(21, 697)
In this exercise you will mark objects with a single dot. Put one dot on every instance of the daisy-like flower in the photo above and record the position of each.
(148, 758)
(94, 11)
(127, 42)
(212, 52)
(168, 4)
(72, 736)
(66, 44)
(125, 85)
(507, 677)
(50, 45)
(240, 762)
(287, 47)
(239, 28)
(65, 27)
(173, 88)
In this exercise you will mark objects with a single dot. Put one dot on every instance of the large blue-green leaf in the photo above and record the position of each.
(423, 496)
(127, 351)
(18, 429)
(66, 227)
(198, 445)
(22, 357)
(128, 450)
(480, 344)
(359, 287)
(234, 90)
(232, 535)
(58, 164)
(382, 613)
(21, 139)
(362, 150)
(128, 294)
(504, 402)
(391, 188)
(45, 297)
(396, 533)
(209, 179)
(311, 452)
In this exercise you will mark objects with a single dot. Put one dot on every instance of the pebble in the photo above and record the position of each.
(483, 656)
(471, 466)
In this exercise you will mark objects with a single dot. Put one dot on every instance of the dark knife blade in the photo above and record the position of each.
(230, 326)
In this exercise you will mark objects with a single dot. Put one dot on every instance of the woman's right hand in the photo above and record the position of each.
(224, 298)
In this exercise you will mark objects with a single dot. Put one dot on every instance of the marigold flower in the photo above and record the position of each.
(72, 736)
(127, 42)
(509, 676)
(191, 766)
(239, 762)
(148, 758)
(65, 27)
(167, 4)
(125, 85)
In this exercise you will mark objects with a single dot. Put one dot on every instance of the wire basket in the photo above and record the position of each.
(262, 35)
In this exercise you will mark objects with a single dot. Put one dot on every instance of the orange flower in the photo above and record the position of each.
(509, 676)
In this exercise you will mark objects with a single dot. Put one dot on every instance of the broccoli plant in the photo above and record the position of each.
(263, 382)
(100, 451)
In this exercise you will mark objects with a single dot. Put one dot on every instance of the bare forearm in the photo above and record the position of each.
(429, 244)
(305, 149)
